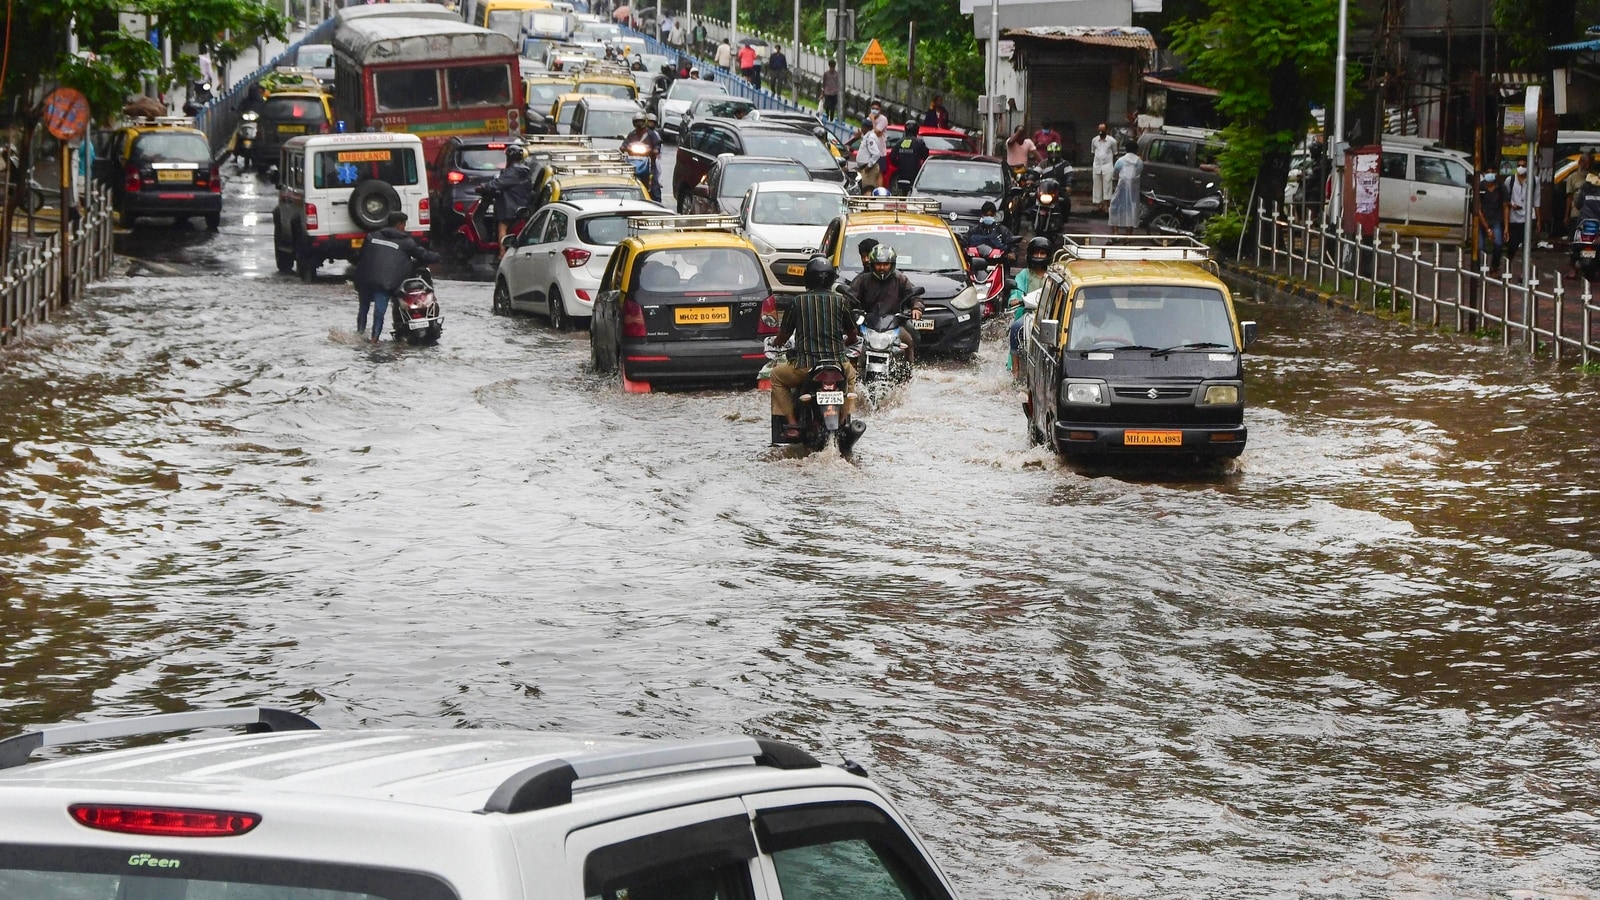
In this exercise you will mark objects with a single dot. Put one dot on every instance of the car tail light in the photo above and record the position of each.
(632, 319)
(163, 821)
(456, 177)
(132, 174)
(770, 321)
(575, 257)
(216, 180)
(311, 217)
(461, 207)
(424, 214)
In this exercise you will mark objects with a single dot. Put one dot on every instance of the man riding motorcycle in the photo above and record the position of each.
(1585, 205)
(881, 291)
(1026, 282)
(388, 256)
(988, 234)
(512, 190)
(821, 322)
(644, 132)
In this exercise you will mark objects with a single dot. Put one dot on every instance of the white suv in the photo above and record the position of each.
(553, 266)
(334, 188)
(292, 812)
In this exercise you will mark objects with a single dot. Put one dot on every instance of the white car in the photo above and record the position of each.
(675, 102)
(292, 811)
(553, 266)
(785, 220)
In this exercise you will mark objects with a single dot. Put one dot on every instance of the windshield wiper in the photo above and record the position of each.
(1116, 348)
(1202, 345)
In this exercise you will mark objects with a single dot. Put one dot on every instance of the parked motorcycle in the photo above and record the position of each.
(1586, 249)
(417, 317)
(880, 359)
(477, 233)
(819, 406)
(244, 140)
(200, 96)
(1173, 216)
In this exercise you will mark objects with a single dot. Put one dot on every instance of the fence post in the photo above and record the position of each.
(1584, 298)
(1261, 208)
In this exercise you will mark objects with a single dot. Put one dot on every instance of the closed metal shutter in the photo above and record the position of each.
(1075, 99)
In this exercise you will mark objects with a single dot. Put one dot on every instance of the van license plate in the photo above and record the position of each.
(700, 315)
(1152, 439)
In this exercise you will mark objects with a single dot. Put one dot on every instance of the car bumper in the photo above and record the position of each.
(171, 203)
(347, 245)
(1094, 439)
(953, 332)
(779, 275)
(694, 362)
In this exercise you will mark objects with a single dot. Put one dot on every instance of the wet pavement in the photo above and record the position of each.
(1358, 662)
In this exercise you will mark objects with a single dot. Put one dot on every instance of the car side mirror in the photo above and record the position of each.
(1249, 330)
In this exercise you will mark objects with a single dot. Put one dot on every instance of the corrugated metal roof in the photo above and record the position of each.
(1132, 38)
(1578, 45)
(1180, 86)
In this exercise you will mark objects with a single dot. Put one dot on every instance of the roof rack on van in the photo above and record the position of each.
(574, 140)
(148, 121)
(925, 205)
(1143, 247)
(620, 168)
(1189, 131)
(549, 784)
(642, 224)
(15, 750)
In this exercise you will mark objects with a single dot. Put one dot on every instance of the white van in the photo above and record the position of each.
(334, 188)
(1425, 188)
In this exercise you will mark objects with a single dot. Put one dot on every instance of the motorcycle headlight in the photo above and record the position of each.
(1220, 395)
(639, 148)
(1091, 393)
(1047, 198)
(882, 340)
(967, 299)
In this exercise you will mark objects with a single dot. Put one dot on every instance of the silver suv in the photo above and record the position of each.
(291, 811)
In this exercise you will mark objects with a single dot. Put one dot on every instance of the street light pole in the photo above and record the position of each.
(993, 70)
(733, 32)
(794, 51)
(1336, 202)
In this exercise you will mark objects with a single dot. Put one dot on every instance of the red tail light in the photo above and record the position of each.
(575, 257)
(424, 212)
(164, 822)
(456, 177)
(770, 321)
(311, 217)
(216, 180)
(632, 319)
(132, 183)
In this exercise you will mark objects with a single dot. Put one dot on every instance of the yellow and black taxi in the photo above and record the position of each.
(1134, 347)
(927, 252)
(542, 92)
(616, 82)
(606, 183)
(681, 303)
(159, 167)
(289, 111)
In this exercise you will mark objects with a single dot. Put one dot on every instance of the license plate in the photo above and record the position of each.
(700, 315)
(418, 324)
(830, 398)
(291, 129)
(796, 271)
(175, 175)
(1587, 253)
(357, 242)
(1152, 439)
(921, 324)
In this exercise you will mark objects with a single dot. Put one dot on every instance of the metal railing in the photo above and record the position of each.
(1432, 283)
(31, 290)
(219, 118)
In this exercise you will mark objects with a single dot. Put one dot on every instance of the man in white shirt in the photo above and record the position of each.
(724, 54)
(1524, 198)
(1104, 148)
(869, 156)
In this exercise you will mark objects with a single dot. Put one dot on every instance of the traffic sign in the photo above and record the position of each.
(874, 55)
(66, 114)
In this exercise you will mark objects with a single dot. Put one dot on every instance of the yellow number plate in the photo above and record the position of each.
(174, 175)
(796, 271)
(700, 315)
(291, 129)
(1152, 439)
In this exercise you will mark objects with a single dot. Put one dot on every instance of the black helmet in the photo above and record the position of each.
(513, 153)
(820, 273)
(912, 126)
(883, 253)
(1038, 252)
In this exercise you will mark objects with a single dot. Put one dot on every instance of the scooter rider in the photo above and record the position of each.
(653, 138)
(821, 322)
(1026, 282)
(388, 256)
(988, 233)
(881, 291)
(641, 134)
(512, 190)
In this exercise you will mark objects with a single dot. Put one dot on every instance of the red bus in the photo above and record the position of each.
(430, 77)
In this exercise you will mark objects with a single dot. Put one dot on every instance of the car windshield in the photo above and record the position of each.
(481, 159)
(290, 109)
(961, 178)
(943, 143)
(598, 32)
(1161, 317)
(320, 57)
(796, 207)
(703, 270)
(916, 249)
(685, 89)
(607, 89)
(608, 123)
(606, 230)
(802, 148)
(174, 147)
(345, 167)
(736, 179)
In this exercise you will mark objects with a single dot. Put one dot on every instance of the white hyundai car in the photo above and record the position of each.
(785, 221)
(554, 264)
(675, 102)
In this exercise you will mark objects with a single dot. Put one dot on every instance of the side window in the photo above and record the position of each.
(1436, 170)
(578, 117)
(692, 140)
(1047, 318)
(844, 851)
(705, 861)
(556, 231)
(720, 141)
(1206, 156)
(1169, 152)
(534, 229)
(610, 280)
(1393, 166)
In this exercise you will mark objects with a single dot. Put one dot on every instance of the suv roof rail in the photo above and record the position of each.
(578, 141)
(1142, 247)
(927, 206)
(549, 783)
(161, 120)
(15, 750)
(641, 224)
(1189, 131)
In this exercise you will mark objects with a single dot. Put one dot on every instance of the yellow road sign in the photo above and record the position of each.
(874, 55)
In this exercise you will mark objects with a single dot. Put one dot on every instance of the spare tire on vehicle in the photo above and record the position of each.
(372, 201)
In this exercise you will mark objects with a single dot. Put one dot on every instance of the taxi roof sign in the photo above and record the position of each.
(643, 224)
(874, 55)
(1142, 247)
(927, 206)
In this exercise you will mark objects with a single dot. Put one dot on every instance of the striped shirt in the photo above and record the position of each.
(819, 320)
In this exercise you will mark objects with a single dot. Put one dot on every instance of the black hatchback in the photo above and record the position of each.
(458, 168)
(961, 184)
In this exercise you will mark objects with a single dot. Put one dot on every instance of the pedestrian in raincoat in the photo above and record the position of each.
(1126, 172)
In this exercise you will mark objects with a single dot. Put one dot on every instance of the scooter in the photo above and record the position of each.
(244, 140)
(881, 357)
(1586, 249)
(200, 96)
(988, 266)
(819, 406)
(417, 317)
(477, 233)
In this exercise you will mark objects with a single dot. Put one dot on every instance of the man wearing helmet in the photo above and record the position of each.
(821, 322)
(1027, 281)
(881, 291)
(644, 132)
(988, 233)
(512, 190)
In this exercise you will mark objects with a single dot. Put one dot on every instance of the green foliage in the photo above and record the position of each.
(1529, 27)
(1222, 232)
(1592, 367)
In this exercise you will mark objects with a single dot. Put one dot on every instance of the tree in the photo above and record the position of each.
(1268, 59)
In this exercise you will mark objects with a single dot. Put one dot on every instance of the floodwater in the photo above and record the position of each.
(1359, 662)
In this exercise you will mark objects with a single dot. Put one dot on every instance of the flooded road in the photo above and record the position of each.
(1360, 662)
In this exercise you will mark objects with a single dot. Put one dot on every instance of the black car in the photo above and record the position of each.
(703, 142)
(155, 168)
(961, 184)
(730, 176)
(459, 166)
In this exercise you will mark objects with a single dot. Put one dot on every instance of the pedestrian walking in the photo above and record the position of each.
(1491, 218)
(1103, 148)
(1524, 198)
(870, 155)
(1126, 171)
(698, 36)
(830, 90)
(724, 55)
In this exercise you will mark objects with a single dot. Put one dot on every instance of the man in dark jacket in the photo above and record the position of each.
(908, 155)
(882, 291)
(388, 256)
(988, 232)
(512, 190)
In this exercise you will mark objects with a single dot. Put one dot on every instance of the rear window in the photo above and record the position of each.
(602, 229)
(608, 123)
(736, 179)
(480, 159)
(805, 149)
(543, 94)
(398, 89)
(603, 193)
(708, 270)
(479, 85)
(345, 167)
(315, 57)
(79, 873)
(285, 109)
(944, 143)
(606, 89)
(157, 148)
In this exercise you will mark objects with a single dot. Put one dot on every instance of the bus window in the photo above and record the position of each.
(479, 85)
(406, 89)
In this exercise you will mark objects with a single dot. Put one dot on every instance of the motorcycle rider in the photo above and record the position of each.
(512, 190)
(388, 256)
(881, 291)
(644, 132)
(908, 155)
(1026, 282)
(988, 234)
(1585, 205)
(821, 322)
